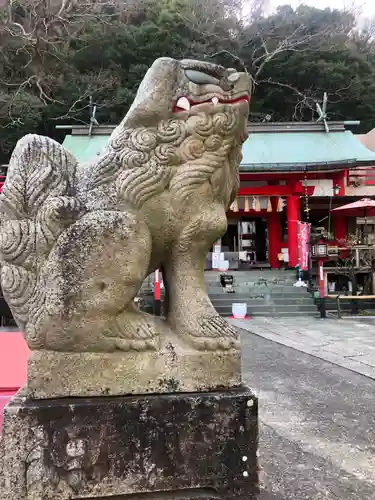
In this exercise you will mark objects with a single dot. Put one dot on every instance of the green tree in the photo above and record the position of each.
(56, 54)
(297, 55)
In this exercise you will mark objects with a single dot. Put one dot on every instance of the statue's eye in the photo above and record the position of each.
(211, 70)
(201, 77)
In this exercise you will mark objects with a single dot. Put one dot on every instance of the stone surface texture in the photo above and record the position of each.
(60, 374)
(77, 240)
(200, 445)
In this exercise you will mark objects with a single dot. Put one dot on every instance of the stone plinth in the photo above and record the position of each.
(53, 374)
(188, 446)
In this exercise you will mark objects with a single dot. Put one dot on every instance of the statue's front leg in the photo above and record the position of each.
(191, 313)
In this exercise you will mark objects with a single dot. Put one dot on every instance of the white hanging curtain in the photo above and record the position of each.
(247, 206)
(234, 206)
(256, 204)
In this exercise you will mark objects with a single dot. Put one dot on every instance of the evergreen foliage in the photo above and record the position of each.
(55, 54)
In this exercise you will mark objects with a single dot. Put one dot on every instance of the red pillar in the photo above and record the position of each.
(274, 235)
(339, 181)
(340, 228)
(292, 213)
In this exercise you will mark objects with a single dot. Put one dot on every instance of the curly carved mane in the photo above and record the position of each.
(178, 154)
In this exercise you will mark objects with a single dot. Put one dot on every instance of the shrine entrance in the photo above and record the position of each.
(245, 244)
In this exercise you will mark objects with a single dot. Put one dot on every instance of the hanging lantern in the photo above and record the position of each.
(247, 207)
(280, 205)
(234, 206)
(269, 205)
(256, 204)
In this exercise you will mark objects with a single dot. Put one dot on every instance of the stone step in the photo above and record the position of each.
(289, 314)
(263, 305)
(250, 278)
(272, 291)
(264, 309)
(250, 272)
(217, 301)
(264, 292)
(258, 284)
(249, 291)
(251, 275)
(246, 289)
(261, 292)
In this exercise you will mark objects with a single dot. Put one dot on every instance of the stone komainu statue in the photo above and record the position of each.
(77, 240)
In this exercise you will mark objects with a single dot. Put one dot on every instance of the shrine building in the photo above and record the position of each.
(290, 172)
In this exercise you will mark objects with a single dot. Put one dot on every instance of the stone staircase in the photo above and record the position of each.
(266, 293)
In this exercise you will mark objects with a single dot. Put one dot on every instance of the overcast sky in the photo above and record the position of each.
(366, 6)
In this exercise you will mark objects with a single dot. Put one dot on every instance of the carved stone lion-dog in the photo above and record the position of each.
(77, 240)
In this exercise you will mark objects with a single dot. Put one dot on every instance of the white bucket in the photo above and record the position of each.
(224, 265)
(239, 310)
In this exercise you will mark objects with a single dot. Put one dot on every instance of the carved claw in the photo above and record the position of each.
(216, 333)
(33, 338)
(134, 331)
(137, 345)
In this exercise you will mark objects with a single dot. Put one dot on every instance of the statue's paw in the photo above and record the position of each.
(215, 333)
(135, 331)
(35, 340)
(207, 344)
(139, 345)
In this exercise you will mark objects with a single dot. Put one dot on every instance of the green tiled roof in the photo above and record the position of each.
(299, 150)
(281, 150)
(85, 148)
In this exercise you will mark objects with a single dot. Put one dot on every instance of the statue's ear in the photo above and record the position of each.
(156, 94)
(39, 168)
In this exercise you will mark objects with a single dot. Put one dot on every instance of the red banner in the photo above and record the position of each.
(303, 245)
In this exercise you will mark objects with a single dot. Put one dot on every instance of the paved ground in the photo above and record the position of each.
(317, 423)
(347, 343)
(317, 418)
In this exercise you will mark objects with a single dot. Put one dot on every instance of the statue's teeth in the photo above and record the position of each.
(215, 100)
(183, 103)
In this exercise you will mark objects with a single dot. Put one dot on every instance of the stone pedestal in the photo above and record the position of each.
(52, 374)
(193, 446)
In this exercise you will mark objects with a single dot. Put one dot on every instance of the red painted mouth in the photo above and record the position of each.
(185, 104)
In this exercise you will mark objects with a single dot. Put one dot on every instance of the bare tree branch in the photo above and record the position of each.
(37, 32)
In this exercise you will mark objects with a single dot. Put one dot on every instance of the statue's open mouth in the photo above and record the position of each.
(185, 104)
